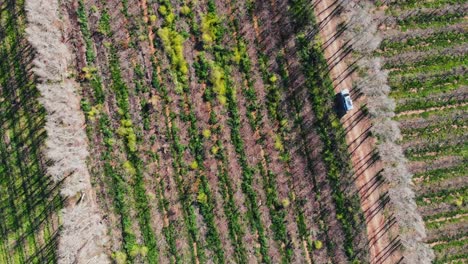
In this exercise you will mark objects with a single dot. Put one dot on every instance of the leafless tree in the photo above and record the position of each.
(362, 31)
(83, 235)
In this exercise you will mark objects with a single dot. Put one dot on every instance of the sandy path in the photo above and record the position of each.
(359, 141)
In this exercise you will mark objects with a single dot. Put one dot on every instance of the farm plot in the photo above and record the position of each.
(425, 51)
(213, 132)
(29, 200)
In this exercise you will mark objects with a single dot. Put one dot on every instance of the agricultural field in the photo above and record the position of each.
(211, 131)
(425, 51)
(201, 148)
(29, 201)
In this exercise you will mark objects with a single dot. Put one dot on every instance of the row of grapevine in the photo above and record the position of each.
(431, 97)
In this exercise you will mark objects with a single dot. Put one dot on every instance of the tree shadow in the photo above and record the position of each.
(29, 199)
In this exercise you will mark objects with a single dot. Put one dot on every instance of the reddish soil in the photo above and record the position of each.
(361, 144)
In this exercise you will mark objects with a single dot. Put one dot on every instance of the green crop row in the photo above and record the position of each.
(222, 86)
(85, 31)
(114, 179)
(416, 88)
(450, 244)
(455, 129)
(321, 95)
(452, 258)
(436, 150)
(181, 172)
(132, 167)
(134, 162)
(207, 208)
(457, 258)
(448, 237)
(437, 175)
(273, 105)
(90, 72)
(169, 231)
(442, 125)
(205, 198)
(118, 186)
(448, 214)
(426, 20)
(236, 232)
(242, 59)
(414, 81)
(437, 40)
(247, 171)
(172, 43)
(255, 114)
(410, 4)
(445, 222)
(444, 196)
(434, 63)
(440, 113)
(299, 123)
(424, 103)
(282, 129)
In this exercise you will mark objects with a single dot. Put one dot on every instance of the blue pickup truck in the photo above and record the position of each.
(346, 100)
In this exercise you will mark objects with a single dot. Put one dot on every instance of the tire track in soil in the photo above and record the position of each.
(355, 129)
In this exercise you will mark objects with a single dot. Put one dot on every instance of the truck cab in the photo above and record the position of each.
(346, 100)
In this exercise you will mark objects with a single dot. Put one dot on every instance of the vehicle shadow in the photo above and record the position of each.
(338, 105)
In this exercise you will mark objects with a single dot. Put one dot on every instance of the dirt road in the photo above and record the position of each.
(361, 144)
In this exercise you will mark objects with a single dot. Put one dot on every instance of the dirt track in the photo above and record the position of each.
(361, 144)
